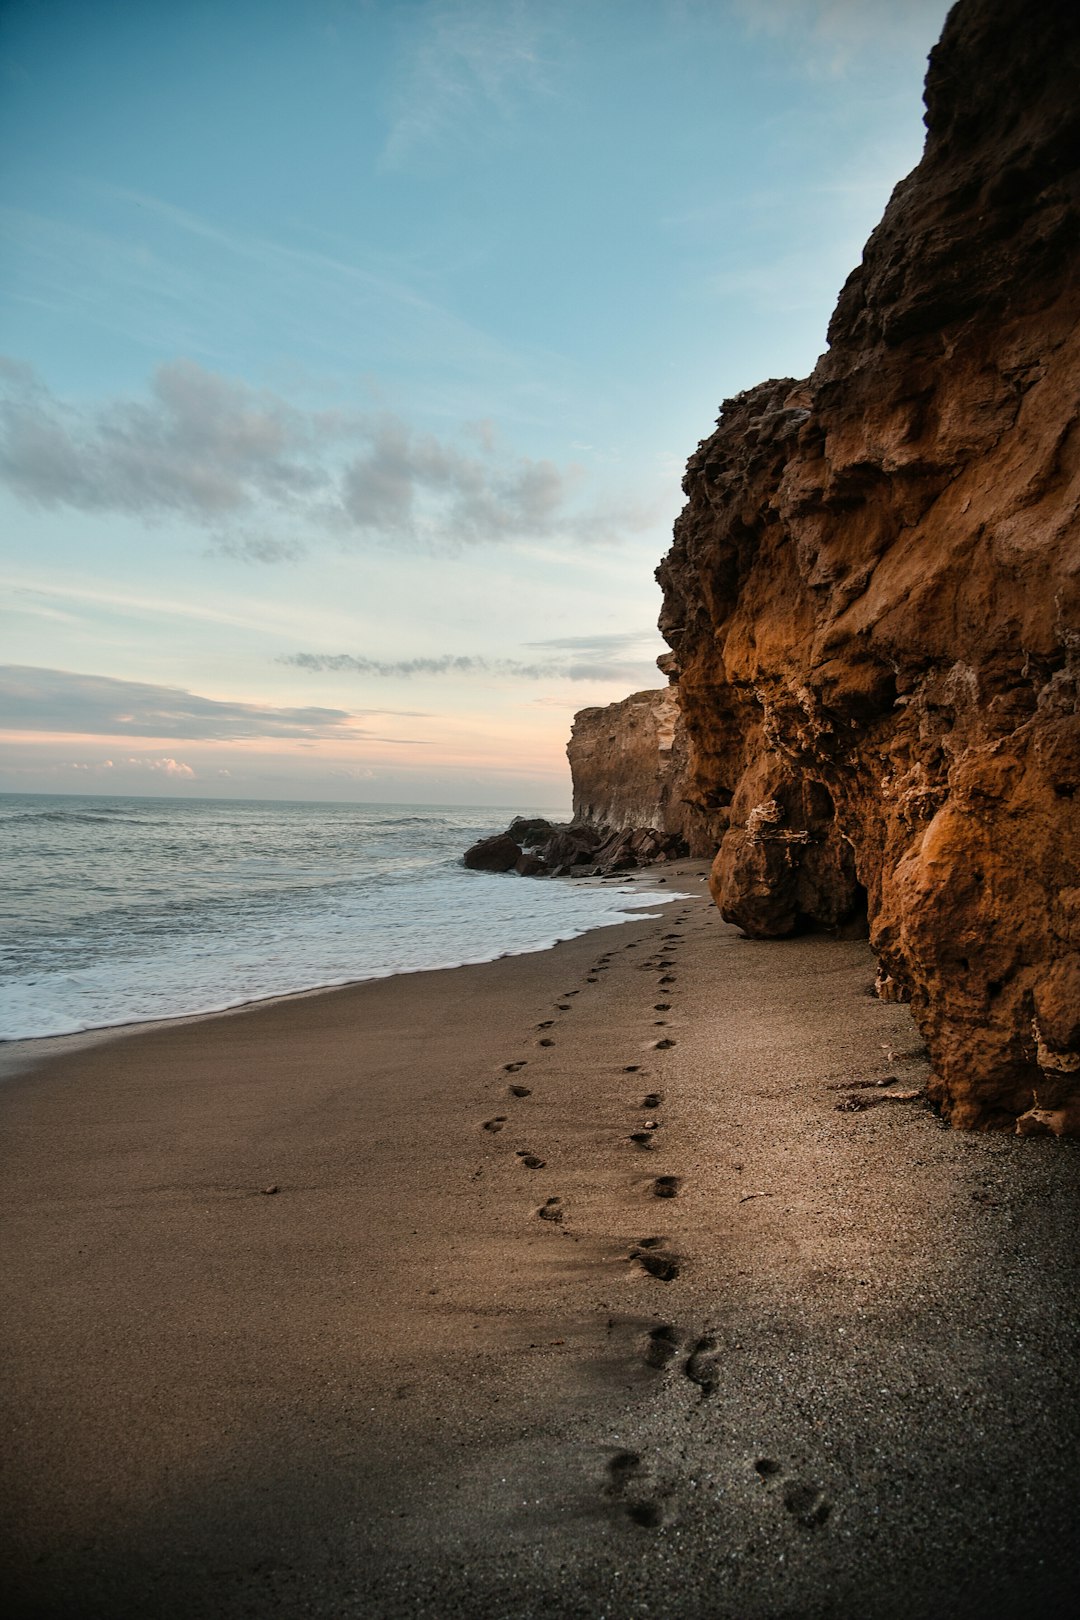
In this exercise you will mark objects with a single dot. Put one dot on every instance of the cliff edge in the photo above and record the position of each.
(873, 592)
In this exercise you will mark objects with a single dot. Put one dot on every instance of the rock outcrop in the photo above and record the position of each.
(537, 848)
(629, 766)
(497, 854)
(873, 592)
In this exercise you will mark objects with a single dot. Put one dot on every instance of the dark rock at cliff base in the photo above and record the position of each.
(637, 846)
(570, 846)
(529, 831)
(530, 865)
(566, 850)
(873, 596)
(498, 854)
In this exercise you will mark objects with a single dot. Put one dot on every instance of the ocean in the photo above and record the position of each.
(118, 910)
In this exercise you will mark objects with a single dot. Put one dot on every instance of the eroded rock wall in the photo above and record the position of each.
(628, 762)
(873, 591)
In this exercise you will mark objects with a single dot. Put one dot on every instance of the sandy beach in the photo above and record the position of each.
(623, 1279)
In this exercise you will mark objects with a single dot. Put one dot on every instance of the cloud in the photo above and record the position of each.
(598, 660)
(165, 766)
(54, 700)
(137, 275)
(243, 462)
(402, 668)
(258, 548)
(470, 66)
(415, 485)
(607, 641)
(833, 34)
(200, 445)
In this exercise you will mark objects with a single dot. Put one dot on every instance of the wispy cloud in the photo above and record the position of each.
(169, 278)
(29, 594)
(834, 34)
(62, 701)
(599, 658)
(403, 668)
(471, 63)
(603, 641)
(261, 474)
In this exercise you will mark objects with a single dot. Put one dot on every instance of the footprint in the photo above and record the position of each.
(547, 1041)
(641, 1139)
(666, 963)
(591, 978)
(531, 1162)
(666, 1186)
(495, 1124)
(653, 1100)
(519, 1091)
(571, 992)
(662, 1006)
(807, 1503)
(703, 1367)
(657, 1261)
(647, 1514)
(661, 1346)
(669, 978)
(551, 1210)
(546, 1024)
(621, 1469)
(512, 1068)
(626, 1476)
(563, 1006)
(632, 1068)
(659, 1023)
(663, 1044)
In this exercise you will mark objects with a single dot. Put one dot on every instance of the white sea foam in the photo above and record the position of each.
(125, 910)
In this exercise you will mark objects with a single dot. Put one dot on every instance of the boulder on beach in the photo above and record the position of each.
(498, 854)
(529, 831)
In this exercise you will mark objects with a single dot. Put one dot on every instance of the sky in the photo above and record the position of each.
(352, 351)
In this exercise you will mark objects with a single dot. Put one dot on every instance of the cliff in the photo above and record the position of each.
(873, 592)
(629, 766)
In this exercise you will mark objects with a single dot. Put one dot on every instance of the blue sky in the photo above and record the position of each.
(353, 351)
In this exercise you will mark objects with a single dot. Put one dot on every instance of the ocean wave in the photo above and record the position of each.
(66, 1003)
(89, 818)
(125, 911)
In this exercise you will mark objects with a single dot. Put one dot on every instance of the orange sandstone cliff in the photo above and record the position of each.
(872, 595)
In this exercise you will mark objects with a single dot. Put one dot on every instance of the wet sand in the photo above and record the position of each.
(558, 1286)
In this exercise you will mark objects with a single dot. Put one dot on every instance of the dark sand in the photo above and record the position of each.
(390, 1389)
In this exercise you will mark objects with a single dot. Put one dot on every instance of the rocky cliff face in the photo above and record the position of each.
(630, 769)
(873, 591)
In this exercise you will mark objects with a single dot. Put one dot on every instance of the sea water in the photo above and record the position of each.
(117, 910)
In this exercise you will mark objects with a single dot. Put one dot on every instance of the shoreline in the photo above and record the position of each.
(368, 1302)
(19, 1053)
